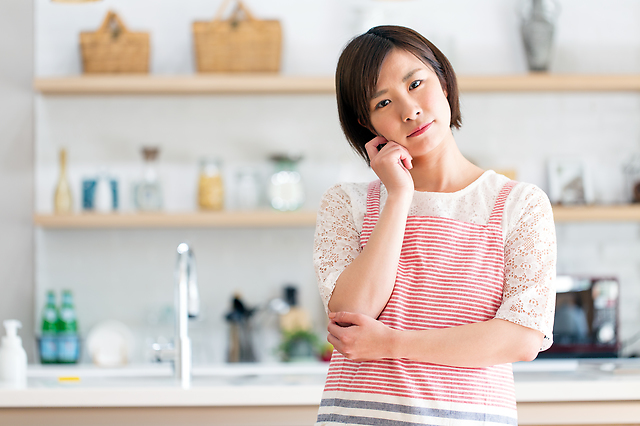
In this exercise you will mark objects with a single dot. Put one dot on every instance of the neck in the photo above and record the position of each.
(443, 169)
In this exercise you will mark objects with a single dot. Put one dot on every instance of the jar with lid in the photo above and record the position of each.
(210, 185)
(148, 192)
(286, 190)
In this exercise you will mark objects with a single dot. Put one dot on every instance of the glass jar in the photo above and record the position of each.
(286, 191)
(210, 185)
(148, 192)
(247, 189)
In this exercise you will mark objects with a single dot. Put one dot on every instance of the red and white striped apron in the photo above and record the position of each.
(450, 273)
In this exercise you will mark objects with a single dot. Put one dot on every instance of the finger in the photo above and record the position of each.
(395, 150)
(406, 161)
(404, 158)
(372, 146)
(378, 140)
(334, 341)
(334, 329)
(348, 317)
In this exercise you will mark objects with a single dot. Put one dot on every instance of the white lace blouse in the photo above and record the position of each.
(527, 228)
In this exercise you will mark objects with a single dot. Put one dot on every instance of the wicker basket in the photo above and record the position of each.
(114, 49)
(237, 45)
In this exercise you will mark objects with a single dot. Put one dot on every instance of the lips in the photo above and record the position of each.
(420, 130)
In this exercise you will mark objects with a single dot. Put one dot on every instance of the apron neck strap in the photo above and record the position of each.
(498, 208)
(373, 198)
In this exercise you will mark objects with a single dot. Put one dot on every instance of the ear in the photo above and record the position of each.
(443, 84)
(369, 128)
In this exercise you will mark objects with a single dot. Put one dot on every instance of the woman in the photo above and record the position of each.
(436, 276)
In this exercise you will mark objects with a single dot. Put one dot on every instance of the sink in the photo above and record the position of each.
(161, 375)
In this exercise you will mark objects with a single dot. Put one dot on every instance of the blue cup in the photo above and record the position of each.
(89, 190)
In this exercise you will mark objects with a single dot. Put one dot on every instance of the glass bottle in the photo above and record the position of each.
(67, 327)
(210, 185)
(48, 334)
(631, 170)
(62, 200)
(248, 189)
(148, 192)
(103, 196)
(286, 191)
(538, 27)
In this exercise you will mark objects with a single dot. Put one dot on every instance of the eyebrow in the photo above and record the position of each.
(404, 80)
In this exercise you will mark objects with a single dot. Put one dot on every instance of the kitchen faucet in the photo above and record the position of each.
(187, 305)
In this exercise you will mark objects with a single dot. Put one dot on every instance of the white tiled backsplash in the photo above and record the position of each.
(128, 274)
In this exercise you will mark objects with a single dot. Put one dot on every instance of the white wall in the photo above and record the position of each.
(127, 274)
(16, 166)
(482, 37)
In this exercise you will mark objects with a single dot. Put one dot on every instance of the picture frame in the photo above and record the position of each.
(569, 182)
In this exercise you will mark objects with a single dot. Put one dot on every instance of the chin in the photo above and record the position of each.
(424, 149)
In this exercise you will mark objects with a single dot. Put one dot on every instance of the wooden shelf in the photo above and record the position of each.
(235, 219)
(189, 85)
(550, 83)
(272, 219)
(609, 213)
(280, 84)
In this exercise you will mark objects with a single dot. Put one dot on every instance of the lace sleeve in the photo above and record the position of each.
(530, 267)
(336, 242)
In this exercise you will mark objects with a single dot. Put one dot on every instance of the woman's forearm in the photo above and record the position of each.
(365, 286)
(473, 345)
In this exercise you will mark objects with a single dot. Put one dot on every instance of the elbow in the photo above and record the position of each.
(529, 353)
(520, 343)
(529, 346)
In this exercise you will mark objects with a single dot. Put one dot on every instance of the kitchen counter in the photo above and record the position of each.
(154, 386)
(548, 392)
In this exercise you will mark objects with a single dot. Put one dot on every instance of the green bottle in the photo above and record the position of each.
(48, 336)
(68, 340)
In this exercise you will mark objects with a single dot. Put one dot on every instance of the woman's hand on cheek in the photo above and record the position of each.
(392, 164)
(359, 337)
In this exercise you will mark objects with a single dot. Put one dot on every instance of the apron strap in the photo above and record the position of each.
(498, 208)
(373, 199)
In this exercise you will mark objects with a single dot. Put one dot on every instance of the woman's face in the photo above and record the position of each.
(409, 106)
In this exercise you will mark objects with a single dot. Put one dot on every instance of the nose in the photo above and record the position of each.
(411, 111)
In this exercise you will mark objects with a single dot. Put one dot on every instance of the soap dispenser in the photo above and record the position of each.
(13, 358)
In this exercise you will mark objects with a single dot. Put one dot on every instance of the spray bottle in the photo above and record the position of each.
(13, 358)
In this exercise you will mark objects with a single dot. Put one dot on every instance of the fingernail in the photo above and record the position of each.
(332, 315)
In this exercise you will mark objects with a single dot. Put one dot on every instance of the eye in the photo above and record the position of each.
(415, 84)
(382, 104)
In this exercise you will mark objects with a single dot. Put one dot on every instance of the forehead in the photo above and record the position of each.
(397, 64)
